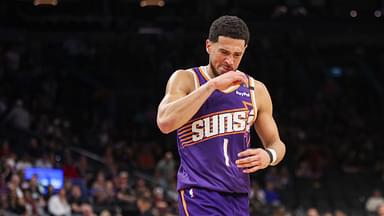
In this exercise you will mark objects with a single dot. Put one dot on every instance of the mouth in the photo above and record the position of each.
(227, 68)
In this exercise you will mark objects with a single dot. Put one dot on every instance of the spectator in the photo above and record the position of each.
(165, 169)
(99, 186)
(339, 212)
(79, 204)
(374, 201)
(141, 186)
(16, 199)
(144, 204)
(160, 204)
(125, 195)
(313, 212)
(15, 186)
(36, 190)
(50, 192)
(58, 204)
(19, 118)
(5, 150)
(327, 214)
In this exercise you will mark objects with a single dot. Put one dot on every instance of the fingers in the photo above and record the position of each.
(248, 152)
(230, 78)
(249, 161)
(252, 160)
(250, 165)
(241, 77)
(253, 169)
(237, 76)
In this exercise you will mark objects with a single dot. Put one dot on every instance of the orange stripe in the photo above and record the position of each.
(185, 134)
(189, 143)
(186, 138)
(184, 129)
(253, 107)
(219, 112)
(186, 141)
(203, 74)
(184, 203)
(196, 78)
(188, 124)
(230, 89)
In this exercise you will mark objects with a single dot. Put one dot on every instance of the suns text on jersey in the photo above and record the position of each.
(219, 124)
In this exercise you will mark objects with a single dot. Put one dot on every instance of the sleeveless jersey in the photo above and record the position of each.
(208, 144)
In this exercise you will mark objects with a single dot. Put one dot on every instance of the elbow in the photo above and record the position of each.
(165, 126)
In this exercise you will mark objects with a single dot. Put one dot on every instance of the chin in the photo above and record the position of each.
(222, 71)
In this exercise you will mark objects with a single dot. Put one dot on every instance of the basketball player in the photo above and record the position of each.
(212, 108)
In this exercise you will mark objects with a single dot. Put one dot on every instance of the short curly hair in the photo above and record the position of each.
(229, 26)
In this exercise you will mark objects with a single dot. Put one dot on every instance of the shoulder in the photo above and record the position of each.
(184, 78)
(183, 73)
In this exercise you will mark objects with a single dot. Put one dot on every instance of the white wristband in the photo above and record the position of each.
(274, 155)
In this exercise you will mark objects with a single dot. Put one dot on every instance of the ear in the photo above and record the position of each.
(208, 44)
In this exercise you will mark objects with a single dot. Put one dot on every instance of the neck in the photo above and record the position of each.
(211, 72)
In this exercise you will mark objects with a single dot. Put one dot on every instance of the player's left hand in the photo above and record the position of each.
(253, 159)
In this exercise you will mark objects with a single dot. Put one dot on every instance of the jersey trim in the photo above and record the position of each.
(195, 78)
(253, 97)
(184, 203)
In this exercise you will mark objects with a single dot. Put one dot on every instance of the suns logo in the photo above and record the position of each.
(221, 124)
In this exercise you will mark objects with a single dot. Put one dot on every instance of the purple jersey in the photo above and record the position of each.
(208, 144)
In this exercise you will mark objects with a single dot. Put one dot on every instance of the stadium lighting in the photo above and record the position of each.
(145, 3)
(45, 2)
(353, 13)
(378, 13)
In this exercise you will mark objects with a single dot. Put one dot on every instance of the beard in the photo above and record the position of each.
(215, 72)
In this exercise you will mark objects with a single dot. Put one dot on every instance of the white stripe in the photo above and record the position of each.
(205, 71)
(274, 155)
(225, 147)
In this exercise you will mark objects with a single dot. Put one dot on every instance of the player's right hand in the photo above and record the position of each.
(228, 79)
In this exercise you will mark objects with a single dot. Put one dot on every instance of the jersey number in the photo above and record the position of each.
(225, 148)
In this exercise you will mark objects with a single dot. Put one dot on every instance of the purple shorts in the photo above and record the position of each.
(204, 202)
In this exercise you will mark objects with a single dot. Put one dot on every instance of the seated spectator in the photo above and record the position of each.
(78, 202)
(165, 169)
(144, 204)
(313, 212)
(125, 195)
(58, 204)
(16, 203)
(339, 212)
(374, 201)
(35, 191)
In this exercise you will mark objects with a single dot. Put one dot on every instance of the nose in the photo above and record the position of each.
(228, 60)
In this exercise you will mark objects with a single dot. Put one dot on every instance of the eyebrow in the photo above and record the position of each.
(223, 49)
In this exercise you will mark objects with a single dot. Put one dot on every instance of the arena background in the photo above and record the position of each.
(80, 83)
